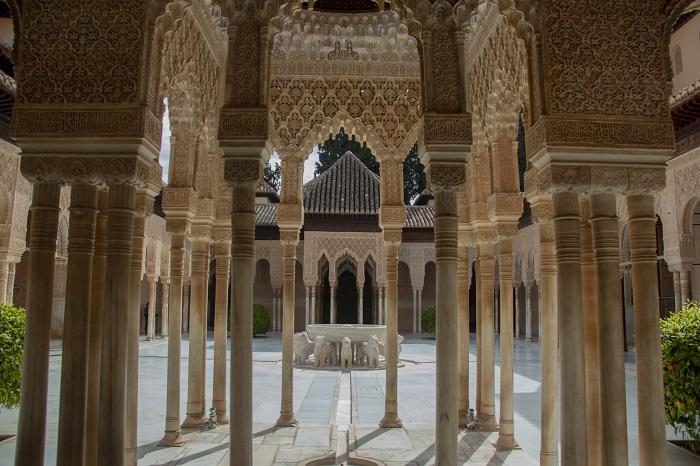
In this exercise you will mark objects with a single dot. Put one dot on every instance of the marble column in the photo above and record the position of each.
(334, 318)
(120, 232)
(74, 366)
(590, 336)
(650, 393)
(152, 298)
(242, 281)
(164, 300)
(446, 332)
(223, 258)
(132, 338)
(415, 310)
(307, 314)
(567, 232)
(4, 272)
(392, 242)
(289, 240)
(172, 435)
(9, 295)
(43, 230)
(463, 333)
(381, 306)
(486, 270)
(196, 370)
(677, 290)
(606, 248)
(313, 304)
(529, 321)
(99, 264)
(360, 303)
(685, 286)
(506, 433)
(419, 291)
(548, 316)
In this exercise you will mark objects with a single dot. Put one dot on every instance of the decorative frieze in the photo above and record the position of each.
(243, 124)
(601, 132)
(447, 129)
(112, 169)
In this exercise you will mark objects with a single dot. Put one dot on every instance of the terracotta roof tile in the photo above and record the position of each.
(419, 216)
(266, 215)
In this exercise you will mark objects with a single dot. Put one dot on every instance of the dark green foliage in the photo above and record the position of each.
(334, 148)
(413, 176)
(11, 346)
(261, 320)
(680, 341)
(273, 175)
(428, 320)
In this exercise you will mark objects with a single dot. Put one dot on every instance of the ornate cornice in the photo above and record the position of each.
(95, 169)
(603, 132)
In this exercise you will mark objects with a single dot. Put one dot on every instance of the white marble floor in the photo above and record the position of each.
(317, 397)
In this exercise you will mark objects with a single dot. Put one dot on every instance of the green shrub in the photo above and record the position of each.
(261, 320)
(11, 345)
(428, 320)
(680, 341)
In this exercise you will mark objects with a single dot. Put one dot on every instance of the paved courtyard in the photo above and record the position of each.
(338, 413)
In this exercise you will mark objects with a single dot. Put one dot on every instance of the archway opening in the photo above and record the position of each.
(346, 298)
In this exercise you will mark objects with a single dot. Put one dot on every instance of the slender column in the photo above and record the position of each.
(529, 321)
(11, 268)
(132, 343)
(152, 298)
(518, 309)
(313, 304)
(289, 240)
(677, 289)
(333, 304)
(612, 364)
(506, 437)
(650, 393)
(446, 322)
(242, 280)
(4, 272)
(549, 440)
(172, 435)
(31, 427)
(196, 371)
(392, 241)
(567, 231)
(74, 367)
(99, 264)
(685, 286)
(164, 298)
(415, 310)
(360, 303)
(223, 258)
(381, 306)
(479, 375)
(307, 318)
(463, 333)
(420, 310)
(120, 232)
(590, 336)
(486, 271)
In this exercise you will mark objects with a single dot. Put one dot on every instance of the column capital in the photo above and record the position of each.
(243, 171)
(290, 216)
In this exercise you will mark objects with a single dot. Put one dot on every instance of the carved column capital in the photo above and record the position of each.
(446, 176)
(243, 171)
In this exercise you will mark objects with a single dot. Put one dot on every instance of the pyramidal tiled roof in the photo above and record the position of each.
(348, 187)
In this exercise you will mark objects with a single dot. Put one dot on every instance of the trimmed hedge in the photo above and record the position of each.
(12, 321)
(261, 320)
(680, 344)
(428, 320)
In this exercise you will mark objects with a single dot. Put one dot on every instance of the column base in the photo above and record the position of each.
(549, 459)
(488, 423)
(506, 442)
(195, 422)
(463, 418)
(286, 420)
(391, 421)
(171, 439)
